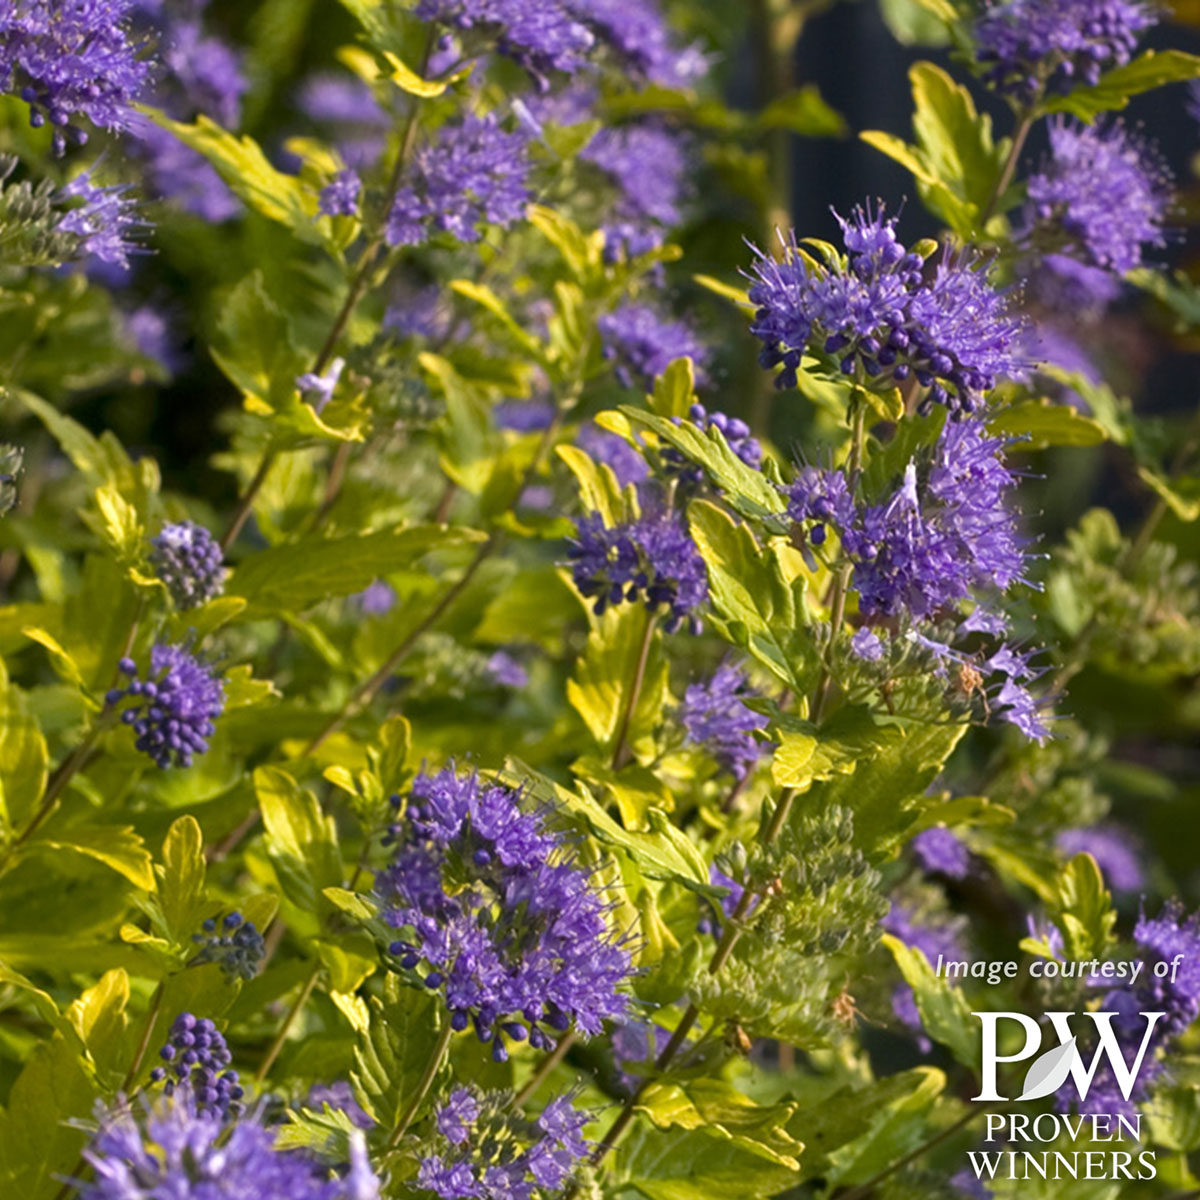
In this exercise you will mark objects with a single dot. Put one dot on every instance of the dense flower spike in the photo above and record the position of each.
(498, 916)
(1115, 851)
(473, 174)
(175, 705)
(714, 716)
(880, 319)
(649, 166)
(652, 559)
(168, 1147)
(196, 1055)
(72, 60)
(1027, 46)
(104, 219)
(349, 107)
(613, 450)
(1100, 198)
(637, 34)
(188, 559)
(541, 35)
(340, 197)
(1171, 937)
(641, 343)
(236, 944)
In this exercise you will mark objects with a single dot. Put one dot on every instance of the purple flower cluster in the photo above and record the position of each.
(615, 452)
(473, 174)
(71, 60)
(492, 1155)
(340, 1097)
(715, 716)
(940, 853)
(876, 315)
(540, 35)
(173, 1147)
(339, 198)
(1115, 851)
(1028, 46)
(105, 220)
(641, 344)
(175, 705)
(497, 915)
(188, 559)
(652, 559)
(648, 165)
(198, 1056)
(929, 546)
(1099, 200)
(236, 945)
(349, 106)
(638, 36)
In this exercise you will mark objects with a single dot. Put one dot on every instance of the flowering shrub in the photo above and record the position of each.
(520, 666)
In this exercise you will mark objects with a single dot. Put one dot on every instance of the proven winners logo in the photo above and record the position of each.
(1064, 1069)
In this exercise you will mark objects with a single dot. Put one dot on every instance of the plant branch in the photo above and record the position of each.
(1020, 134)
(423, 1086)
(285, 1027)
(544, 1068)
(622, 752)
(144, 1044)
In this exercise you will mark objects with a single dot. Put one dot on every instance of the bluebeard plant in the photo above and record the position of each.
(339, 198)
(714, 716)
(473, 174)
(188, 559)
(641, 343)
(174, 706)
(72, 61)
(106, 220)
(878, 317)
(234, 943)
(495, 913)
(614, 451)
(940, 853)
(1115, 850)
(652, 560)
(197, 1060)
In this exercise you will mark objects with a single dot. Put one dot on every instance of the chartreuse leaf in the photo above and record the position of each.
(807, 755)
(467, 447)
(581, 252)
(675, 389)
(803, 111)
(1151, 69)
(181, 879)
(1181, 493)
(955, 161)
(599, 690)
(669, 1165)
(747, 490)
(896, 1129)
(727, 291)
(487, 299)
(117, 846)
(301, 840)
(759, 606)
(38, 1143)
(42, 1001)
(241, 163)
(598, 487)
(100, 1021)
(718, 1109)
(1085, 913)
(945, 1013)
(295, 576)
(23, 759)
(405, 78)
(392, 1052)
(664, 853)
(1044, 424)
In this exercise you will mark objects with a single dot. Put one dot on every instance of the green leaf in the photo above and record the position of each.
(100, 1021)
(181, 879)
(761, 609)
(295, 576)
(391, 1055)
(802, 111)
(719, 1110)
(241, 163)
(807, 755)
(405, 78)
(1182, 494)
(896, 1130)
(117, 846)
(581, 253)
(1151, 69)
(658, 855)
(727, 291)
(1044, 424)
(945, 1013)
(1085, 911)
(598, 487)
(604, 673)
(488, 300)
(747, 490)
(24, 759)
(675, 389)
(301, 840)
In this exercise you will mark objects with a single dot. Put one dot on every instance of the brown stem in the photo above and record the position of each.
(423, 1086)
(285, 1027)
(144, 1044)
(63, 774)
(544, 1068)
(246, 502)
(1020, 133)
(621, 749)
